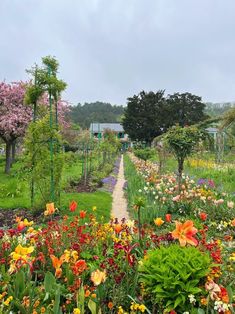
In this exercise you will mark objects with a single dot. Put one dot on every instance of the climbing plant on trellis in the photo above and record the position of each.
(43, 140)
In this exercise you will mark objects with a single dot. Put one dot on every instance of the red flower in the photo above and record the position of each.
(20, 226)
(168, 217)
(203, 216)
(72, 206)
(82, 214)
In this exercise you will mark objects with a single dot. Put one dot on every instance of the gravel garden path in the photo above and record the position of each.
(119, 205)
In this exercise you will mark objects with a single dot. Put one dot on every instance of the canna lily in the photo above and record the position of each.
(158, 221)
(57, 263)
(184, 232)
(98, 276)
(73, 206)
(22, 252)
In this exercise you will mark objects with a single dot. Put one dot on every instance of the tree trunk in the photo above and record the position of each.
(180, 171)
(8, 157)
(13, 152)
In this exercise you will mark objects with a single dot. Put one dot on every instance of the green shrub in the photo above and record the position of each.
(145, 153)
(170, 274)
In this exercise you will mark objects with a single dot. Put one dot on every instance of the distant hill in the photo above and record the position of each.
(95, 112)
(217, 109)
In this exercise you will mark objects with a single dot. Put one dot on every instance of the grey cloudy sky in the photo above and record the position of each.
(109, 50)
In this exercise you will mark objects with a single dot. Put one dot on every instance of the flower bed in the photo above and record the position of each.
(182, 261)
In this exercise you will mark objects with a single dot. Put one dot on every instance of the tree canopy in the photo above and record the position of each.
(149, 115)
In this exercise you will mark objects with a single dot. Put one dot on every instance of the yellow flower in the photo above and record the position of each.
(76, 311)
(8, 300)
(50, 209)
(94, 208)
(158, 221)
(22, 252)
(120, 310)
(98, 276)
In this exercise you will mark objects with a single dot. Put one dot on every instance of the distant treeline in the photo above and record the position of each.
(95, 112)
(98, 111)
(217, 109)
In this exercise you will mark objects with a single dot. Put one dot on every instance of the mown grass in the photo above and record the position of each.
(15, 191)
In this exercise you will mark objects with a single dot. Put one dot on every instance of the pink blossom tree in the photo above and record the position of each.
(14, 116)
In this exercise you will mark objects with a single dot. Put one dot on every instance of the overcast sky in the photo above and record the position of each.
(109, 50)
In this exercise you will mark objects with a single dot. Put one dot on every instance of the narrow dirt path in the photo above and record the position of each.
(119, 205)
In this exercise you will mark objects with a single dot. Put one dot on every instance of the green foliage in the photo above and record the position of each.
(149, 115)
(95, 112)
(45, 80)
(170, 274)
(185, 109)
(38, 159)
(182, 141)
(145, 153)
(143, 116)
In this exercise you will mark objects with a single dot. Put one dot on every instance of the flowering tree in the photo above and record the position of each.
(14, 116)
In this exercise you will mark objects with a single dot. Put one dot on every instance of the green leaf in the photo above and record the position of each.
(49, 282)
(92, 306)
(20, 283)
(56, 308)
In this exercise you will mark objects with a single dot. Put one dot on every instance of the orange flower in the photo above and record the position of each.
(233, 222)
(168, 217)
(73, 206)
(158, 221)
(20, 226)
(87, 293)
(82, 214)
(79, 267)
(184, 232)
(57, 262)
(98, 276)
(50, 209)
(117, 228)
(110, 305)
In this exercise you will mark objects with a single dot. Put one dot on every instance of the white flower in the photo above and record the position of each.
(130, 223)
(140, 191)
(192, 298)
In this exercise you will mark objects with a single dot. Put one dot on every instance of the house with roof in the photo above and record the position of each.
(97, 130)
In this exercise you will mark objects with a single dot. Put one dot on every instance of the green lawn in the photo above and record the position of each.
(14, 191)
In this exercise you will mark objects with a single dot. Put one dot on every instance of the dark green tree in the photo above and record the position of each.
(145, 116)
(185, 109)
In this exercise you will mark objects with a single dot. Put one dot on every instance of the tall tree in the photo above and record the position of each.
(185, 109)
(14, 116)
(145, 117)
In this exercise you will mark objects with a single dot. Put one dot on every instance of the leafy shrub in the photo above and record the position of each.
(145, 153)
(170, 274)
